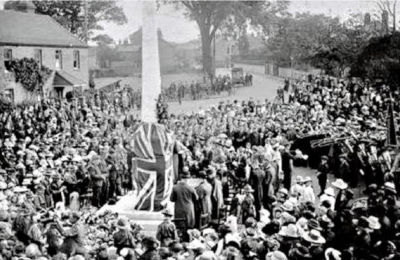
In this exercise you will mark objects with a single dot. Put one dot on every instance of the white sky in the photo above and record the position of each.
(177, 28)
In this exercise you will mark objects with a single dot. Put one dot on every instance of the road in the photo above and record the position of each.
(263, 87)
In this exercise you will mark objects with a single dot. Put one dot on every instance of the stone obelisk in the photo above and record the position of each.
(151, 78)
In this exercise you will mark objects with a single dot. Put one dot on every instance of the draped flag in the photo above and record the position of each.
(153, 169)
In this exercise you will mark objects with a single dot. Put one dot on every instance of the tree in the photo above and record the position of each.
(103, 39)
(388, 8)
(380, 60)
(211, 16)
(244, 44)
(318, 40)
(70, 14)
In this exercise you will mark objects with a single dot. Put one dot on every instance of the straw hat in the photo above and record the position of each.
(373, 223)
(314, 237)
(122, 224)
(340, 184)
(276, 255)
(290, 231)
(196, 244)
(288, 206)
(314, 224)
(331, 252)
(248, 189)
(283, 191)
(329, 191)
(389, 186)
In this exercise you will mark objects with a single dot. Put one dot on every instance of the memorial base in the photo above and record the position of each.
(125, 208)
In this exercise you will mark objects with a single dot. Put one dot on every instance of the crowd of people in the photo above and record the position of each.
(196, 90)
(238, 194)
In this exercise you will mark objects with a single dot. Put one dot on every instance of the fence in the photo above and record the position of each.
(274, 70)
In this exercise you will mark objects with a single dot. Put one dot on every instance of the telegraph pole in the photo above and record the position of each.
(85, 7)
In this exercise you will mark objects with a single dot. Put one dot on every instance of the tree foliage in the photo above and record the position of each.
(212, 16)
(29, 73)
(380, 59)
(70, 14)
(103, 39)
(319, 40)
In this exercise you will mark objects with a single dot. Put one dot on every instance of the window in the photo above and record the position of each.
(227, 50)
(58, 59)
(38, 57)
(7, 58)
(77, 63)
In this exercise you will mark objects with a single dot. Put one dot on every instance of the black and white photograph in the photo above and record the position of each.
(199, 130)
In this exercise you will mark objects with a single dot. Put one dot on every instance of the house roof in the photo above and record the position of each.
(62, 79)
(18, 28)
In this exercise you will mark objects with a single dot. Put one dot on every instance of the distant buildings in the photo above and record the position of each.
(24, 34)
(172, 55)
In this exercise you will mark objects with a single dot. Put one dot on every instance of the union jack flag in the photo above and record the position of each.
(152, 146)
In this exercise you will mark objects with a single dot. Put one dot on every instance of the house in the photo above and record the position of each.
(224, 50)
(24, 34)
(173, 56)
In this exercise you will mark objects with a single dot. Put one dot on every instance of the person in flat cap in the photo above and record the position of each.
(166, 231)
(123, 238)
(322, 173)
(247, 207)
(204, 191)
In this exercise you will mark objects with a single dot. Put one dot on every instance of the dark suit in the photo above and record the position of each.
(184, 197)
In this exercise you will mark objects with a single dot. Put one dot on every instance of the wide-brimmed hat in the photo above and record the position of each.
(373, 223)
(122, 223)
(314, 237)
(290, 231)
(276, 255)
(389, 186)
(331, 253)
(196, 245)
(288, 206)
(324, 157)
(314, 224)
(20, 189)
(283, 191)
(248, 188)
(340, 184)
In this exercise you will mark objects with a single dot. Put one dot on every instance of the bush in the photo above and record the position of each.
(380, 59)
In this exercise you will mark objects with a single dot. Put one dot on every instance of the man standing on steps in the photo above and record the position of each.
(184, 197)
(322, 174)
